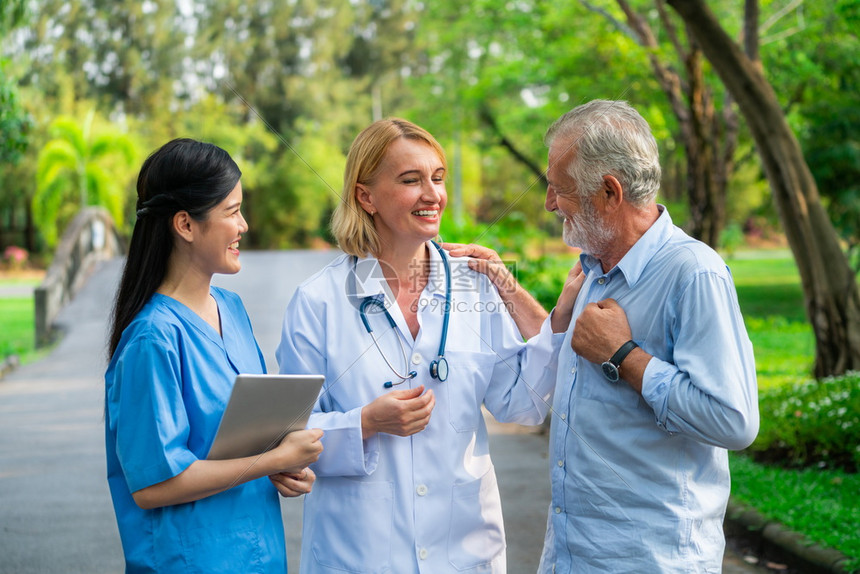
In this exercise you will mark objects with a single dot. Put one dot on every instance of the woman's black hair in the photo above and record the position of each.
(182, 175)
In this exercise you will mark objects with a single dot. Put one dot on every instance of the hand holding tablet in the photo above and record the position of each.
(262, 411)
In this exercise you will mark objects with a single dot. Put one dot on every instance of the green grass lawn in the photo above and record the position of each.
(17, 321)
(771, 300)
(821, 504)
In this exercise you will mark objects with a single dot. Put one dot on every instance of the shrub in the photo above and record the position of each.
(15, 257)
(815, 423)
(544, 278)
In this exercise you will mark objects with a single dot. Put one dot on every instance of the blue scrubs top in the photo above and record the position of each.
(166, 388)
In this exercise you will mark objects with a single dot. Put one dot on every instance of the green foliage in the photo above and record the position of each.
(544, 278)
(302, 185)
(731, 237)
(820, 503)
(12, 12)
(515, 240)
(815, 423)
(79, 168)
(819, 81)
(15, 122)
(748, 191)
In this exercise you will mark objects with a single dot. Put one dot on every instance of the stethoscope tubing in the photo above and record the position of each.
(439, 367)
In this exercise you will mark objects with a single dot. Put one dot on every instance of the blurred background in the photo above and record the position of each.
(88, 88)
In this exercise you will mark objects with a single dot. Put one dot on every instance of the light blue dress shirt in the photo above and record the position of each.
(429, 502)
(166, 388)
(641, 483)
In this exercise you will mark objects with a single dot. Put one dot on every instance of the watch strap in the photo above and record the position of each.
(622, 353)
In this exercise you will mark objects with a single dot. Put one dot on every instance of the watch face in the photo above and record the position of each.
(610, 371)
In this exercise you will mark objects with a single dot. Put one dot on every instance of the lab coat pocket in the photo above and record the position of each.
(476, 536)
(351, 524)
(466, 386)
(231, 546)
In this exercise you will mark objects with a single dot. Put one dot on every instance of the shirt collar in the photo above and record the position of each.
(634, 261)
(366, 278)
(370, 280)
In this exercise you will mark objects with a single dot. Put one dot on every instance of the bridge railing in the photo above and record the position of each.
(90, 238)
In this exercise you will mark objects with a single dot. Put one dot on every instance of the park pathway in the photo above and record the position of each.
(55, 509)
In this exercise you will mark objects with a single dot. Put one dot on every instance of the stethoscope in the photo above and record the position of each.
(438, 367)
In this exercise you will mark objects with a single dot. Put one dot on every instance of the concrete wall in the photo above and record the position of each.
(90, 238)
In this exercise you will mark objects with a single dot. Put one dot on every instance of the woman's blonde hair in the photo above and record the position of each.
(351, 226)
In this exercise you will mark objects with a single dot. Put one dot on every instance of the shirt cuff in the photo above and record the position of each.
(345, 452)
(546, 327)
(655, 390)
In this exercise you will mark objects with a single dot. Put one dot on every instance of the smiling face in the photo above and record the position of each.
(216, 244)
(583, 225)
(407, 195)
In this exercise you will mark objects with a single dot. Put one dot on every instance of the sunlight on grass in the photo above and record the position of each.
(771, 300)
(17, 326)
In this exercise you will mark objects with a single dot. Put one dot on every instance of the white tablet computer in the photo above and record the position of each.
(261, 411)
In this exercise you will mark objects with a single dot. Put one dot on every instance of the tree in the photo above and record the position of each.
(498, 73)
(831, 292)
(708, 128)
(79, 168)
(15, 128)
(15, 122)
(282, 58)
(818, 83)
(127, 56)
(12, 12)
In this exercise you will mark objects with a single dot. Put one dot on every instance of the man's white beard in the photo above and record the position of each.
(587, 231)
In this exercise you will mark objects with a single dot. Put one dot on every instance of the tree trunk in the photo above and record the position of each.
(707, 198)
(700, 129)
(830, 288)
(29, 227)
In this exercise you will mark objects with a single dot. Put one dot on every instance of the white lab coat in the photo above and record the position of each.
(429, 502)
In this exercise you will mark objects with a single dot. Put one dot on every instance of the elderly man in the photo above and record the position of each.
(656, 379)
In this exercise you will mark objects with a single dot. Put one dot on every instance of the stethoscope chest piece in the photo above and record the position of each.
(439, 369)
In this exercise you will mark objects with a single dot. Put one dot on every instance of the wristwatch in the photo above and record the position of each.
(610, 367)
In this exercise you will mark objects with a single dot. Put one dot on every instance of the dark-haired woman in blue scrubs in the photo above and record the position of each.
(176, 346)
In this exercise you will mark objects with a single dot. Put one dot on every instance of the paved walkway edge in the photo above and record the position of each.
(8, 365)
(773, 539)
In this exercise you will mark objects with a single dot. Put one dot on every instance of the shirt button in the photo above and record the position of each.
(564, 416)
(573, 370)
(421, 490)
(560, 463)
(557, 510)
(422, 554)
(416, 359)
(601, 281)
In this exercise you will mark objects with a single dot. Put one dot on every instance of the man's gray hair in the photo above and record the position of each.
(609, 138)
